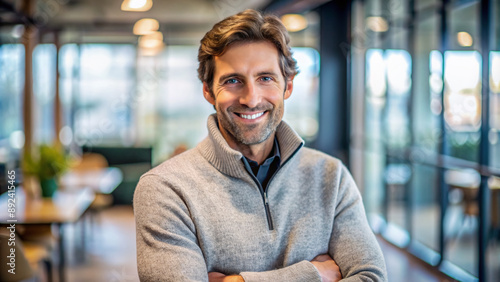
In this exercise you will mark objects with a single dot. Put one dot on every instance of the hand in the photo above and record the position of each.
(327, 268)
(220, 277)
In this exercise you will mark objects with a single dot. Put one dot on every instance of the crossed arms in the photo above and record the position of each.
(169, 246)
(328, 270)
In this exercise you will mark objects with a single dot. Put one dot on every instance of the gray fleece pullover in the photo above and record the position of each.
(202, 211)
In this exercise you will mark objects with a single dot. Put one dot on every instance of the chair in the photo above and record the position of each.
(28, 257)
(467, 181)
(494, 184)
(37, 233)
(36, 254)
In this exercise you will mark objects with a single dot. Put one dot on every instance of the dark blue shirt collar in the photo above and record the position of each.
(275, 152)
(266, 170)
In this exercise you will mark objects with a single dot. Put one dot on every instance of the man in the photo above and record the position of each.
(249, 203)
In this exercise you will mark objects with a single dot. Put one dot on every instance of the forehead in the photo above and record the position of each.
(247, 58)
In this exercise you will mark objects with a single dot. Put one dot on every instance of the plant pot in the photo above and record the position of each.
(49, 186)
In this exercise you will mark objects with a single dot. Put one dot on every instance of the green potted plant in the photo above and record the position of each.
(47, 164)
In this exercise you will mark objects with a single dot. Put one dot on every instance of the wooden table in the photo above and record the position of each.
(66, 206)
(102, 181)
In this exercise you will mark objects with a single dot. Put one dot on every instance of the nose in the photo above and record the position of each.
(250, 95)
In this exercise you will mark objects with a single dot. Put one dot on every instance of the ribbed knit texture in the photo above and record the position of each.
(201, 212)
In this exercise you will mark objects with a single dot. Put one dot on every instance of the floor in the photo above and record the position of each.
(404, 267)
(460, 231)
(111, 256)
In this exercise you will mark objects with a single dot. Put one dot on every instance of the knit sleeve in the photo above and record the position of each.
(301, 271)
(167, 248)
(353, 245)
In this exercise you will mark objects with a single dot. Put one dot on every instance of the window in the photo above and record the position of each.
(44, 78)
(102, 110)
(11, 93)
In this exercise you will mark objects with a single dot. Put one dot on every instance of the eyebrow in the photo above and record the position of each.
(267, 73)
(229, 75)
(234, 74)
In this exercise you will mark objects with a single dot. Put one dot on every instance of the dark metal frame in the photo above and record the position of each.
(483, 200)
(333, 134)
(443, 187)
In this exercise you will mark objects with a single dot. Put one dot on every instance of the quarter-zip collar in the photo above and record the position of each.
(215, 149)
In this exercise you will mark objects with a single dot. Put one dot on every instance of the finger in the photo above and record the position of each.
(215, 275)
(323, 257)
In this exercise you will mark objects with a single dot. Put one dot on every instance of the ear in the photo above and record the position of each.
(289, 87)
(208, 94)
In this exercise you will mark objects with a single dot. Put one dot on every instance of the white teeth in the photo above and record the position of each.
(254, 116)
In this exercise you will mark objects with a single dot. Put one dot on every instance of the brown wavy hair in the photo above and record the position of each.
(247, 26)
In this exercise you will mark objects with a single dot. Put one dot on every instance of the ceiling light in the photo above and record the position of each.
(464, 39)
(151, 44)
(294, 22)
(146, 26)
(137, 5)
(151, 40)
(17, 31)
(377, 24)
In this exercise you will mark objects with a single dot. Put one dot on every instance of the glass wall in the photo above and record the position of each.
(182, 110)
(11, 118)
(112, 96)
(11, 96)
(423, 89)
(102, 113)
(493, 259)
(426, 110)
(44, 78)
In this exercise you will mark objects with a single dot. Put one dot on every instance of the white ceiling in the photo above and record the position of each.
(181, 21)
(165, 11)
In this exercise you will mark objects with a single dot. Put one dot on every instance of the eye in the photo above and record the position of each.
(231, 81)
(266, 78)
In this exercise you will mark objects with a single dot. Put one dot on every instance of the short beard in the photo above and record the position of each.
(238, 133)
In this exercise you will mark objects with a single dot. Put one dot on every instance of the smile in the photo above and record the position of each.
(254, 116)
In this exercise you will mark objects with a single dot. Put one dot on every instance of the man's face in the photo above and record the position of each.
(248, 92)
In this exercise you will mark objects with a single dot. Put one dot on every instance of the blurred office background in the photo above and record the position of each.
(405, 92)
